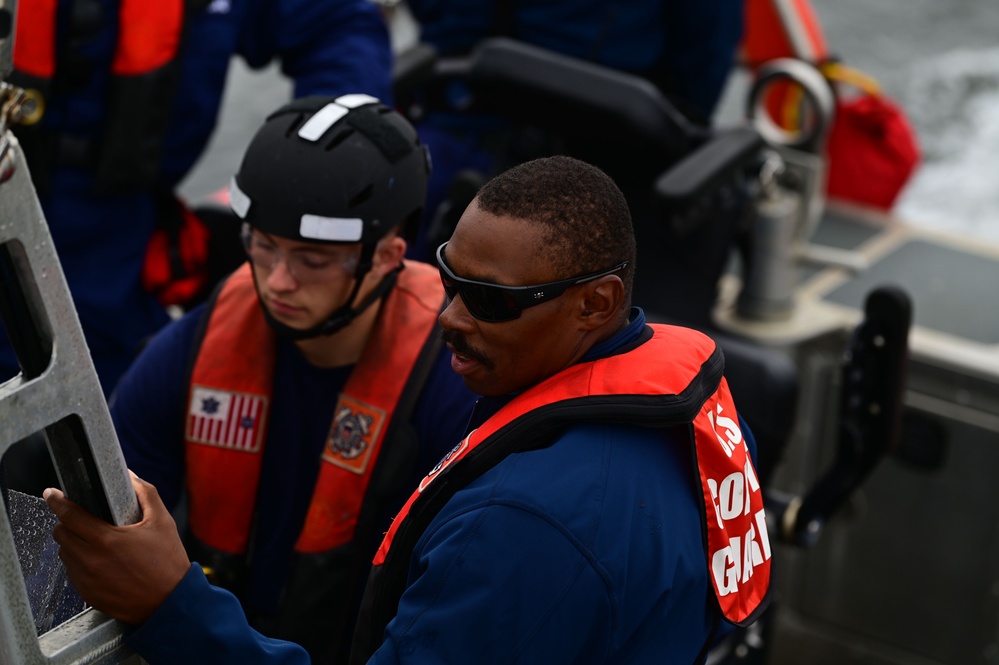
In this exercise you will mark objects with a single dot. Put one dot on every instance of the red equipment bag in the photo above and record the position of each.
(872, 148)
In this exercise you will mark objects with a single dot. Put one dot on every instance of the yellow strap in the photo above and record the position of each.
(837, 72)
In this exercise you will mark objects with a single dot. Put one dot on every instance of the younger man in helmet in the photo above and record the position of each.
(300, 406)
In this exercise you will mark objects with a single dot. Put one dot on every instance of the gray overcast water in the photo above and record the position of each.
(938, 58)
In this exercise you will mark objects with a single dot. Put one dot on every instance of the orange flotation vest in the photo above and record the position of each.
(228, 405)
(144, 76)
(368, 452)
(673, 378)
(151, 40)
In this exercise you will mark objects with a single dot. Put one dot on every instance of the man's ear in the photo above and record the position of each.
(389, 253)
(602, 301)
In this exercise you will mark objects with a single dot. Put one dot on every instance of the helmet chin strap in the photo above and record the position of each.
(343, 315)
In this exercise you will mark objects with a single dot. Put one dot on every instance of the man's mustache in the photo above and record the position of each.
(460, 345)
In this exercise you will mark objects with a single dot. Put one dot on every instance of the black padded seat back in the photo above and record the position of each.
(605, 105)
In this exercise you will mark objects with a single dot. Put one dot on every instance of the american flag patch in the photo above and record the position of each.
(225, 419)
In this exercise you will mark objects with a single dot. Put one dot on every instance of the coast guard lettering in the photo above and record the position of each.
(737, 538)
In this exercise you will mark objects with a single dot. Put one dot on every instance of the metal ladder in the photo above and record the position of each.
(56, 396)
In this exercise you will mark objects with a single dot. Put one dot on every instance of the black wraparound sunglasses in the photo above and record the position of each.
(494, 302)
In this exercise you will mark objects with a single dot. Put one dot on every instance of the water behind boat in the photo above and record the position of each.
(939, 60)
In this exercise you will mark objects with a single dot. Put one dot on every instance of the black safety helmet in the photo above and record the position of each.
(324, 169)
(333, 170)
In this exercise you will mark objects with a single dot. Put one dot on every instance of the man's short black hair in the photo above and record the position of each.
(587, 223)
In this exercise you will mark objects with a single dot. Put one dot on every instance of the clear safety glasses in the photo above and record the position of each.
(306, 265)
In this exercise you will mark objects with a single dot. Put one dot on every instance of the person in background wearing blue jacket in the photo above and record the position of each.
(131, 92)
(314, 387)
(687, 48)
(603, 506)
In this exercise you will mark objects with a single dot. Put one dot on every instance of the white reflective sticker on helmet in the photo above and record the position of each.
(238, 200)
(319, 123)
(336, 229)
(355, 100)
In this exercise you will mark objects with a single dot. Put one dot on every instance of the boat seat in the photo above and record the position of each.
(578, 98)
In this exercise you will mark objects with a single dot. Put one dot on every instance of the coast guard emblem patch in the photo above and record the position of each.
(226, 419)
(353, 434)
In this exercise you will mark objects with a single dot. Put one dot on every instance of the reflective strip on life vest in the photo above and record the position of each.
(802, 29)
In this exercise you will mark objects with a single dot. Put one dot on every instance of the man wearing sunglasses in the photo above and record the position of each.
(603, 506)
(298, 409)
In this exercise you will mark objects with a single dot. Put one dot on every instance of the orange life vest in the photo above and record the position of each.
(150, 41)
(144, 75)
(228, 404)
(782, 29)
(675, 377)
